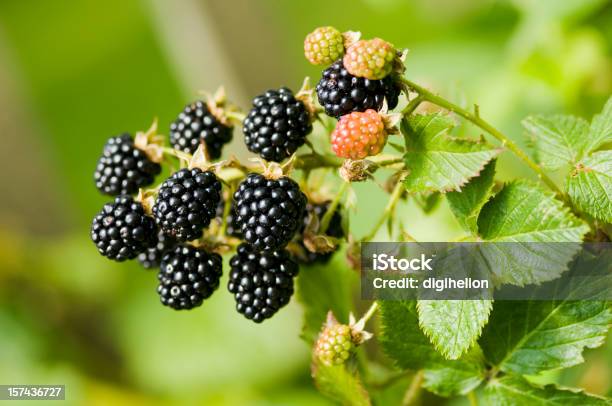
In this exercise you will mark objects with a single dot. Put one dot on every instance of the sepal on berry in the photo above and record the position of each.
(225, 112)
(358, 170)
(150, 143)
(306, 96)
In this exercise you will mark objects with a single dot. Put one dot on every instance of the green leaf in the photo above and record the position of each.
(590, 185)
(435, 160)
(337, 280)
(516, 391)
(453, 326)
(523, 212)
(452, 378)
(340, 383)
(427, 201)
(527, 337)
(601, 128)
(558, 140)
(403, 342)
(401, 337)
(467, 203)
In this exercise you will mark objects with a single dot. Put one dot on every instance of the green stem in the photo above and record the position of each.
(475, 118)
(412, 393)
(412, 105)
(393, 199)
(331, 209)
(226, 210)
(472, 398)
(370, 312)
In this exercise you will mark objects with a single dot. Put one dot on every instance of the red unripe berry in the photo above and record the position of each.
(359, 135)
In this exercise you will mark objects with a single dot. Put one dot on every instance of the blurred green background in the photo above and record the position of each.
(73, 73)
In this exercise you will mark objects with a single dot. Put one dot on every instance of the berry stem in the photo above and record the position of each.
(370, 312)
(472, 398)
(395, 195)
(226, 210)
(314, 160)
(475, 119)
(329, 213)
(412, 105)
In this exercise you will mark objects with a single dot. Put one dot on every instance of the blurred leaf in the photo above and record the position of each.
(558, 140)
(590, 185)
(340, 384)
(321, 288)
(467, 203)
(427, 201)
(437, 161)
(453, 325)
(516, 391)
(522, 211)
(528, 337)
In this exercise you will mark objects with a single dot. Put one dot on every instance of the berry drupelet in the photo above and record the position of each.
(334, 345)
(341, 93)
(123, 168)
(195, 124)
(122, 230)
(371, 59)
(334, 229)
(277, 125)
(152, 257)
(269, 212)
(186, 203)
(187, 276)
(261, 281)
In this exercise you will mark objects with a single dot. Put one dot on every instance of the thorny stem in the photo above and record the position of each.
(475, 118)
(412, 393)
(329, 213)
(393, 199)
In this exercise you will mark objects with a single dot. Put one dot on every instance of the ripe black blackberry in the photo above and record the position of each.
(334, 229)
(195, 124)
(341, 93)
(231, 228)
(277, 125)
(123, 168)
(122, 230)
(261, 281)
(269, 212)
(186, 203)
(188, 275)
(151, 258)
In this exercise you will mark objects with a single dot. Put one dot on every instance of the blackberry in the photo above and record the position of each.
(122, 230)
(188, 275)
(334, 229)
(123, 168)
(261, 281)
(231, 228)
(341, 93)
(196, 124)
(277, 125)
(151, 258)
(186, 203)
(269, 212)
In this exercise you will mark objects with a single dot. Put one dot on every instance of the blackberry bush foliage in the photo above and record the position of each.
(264, 225)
